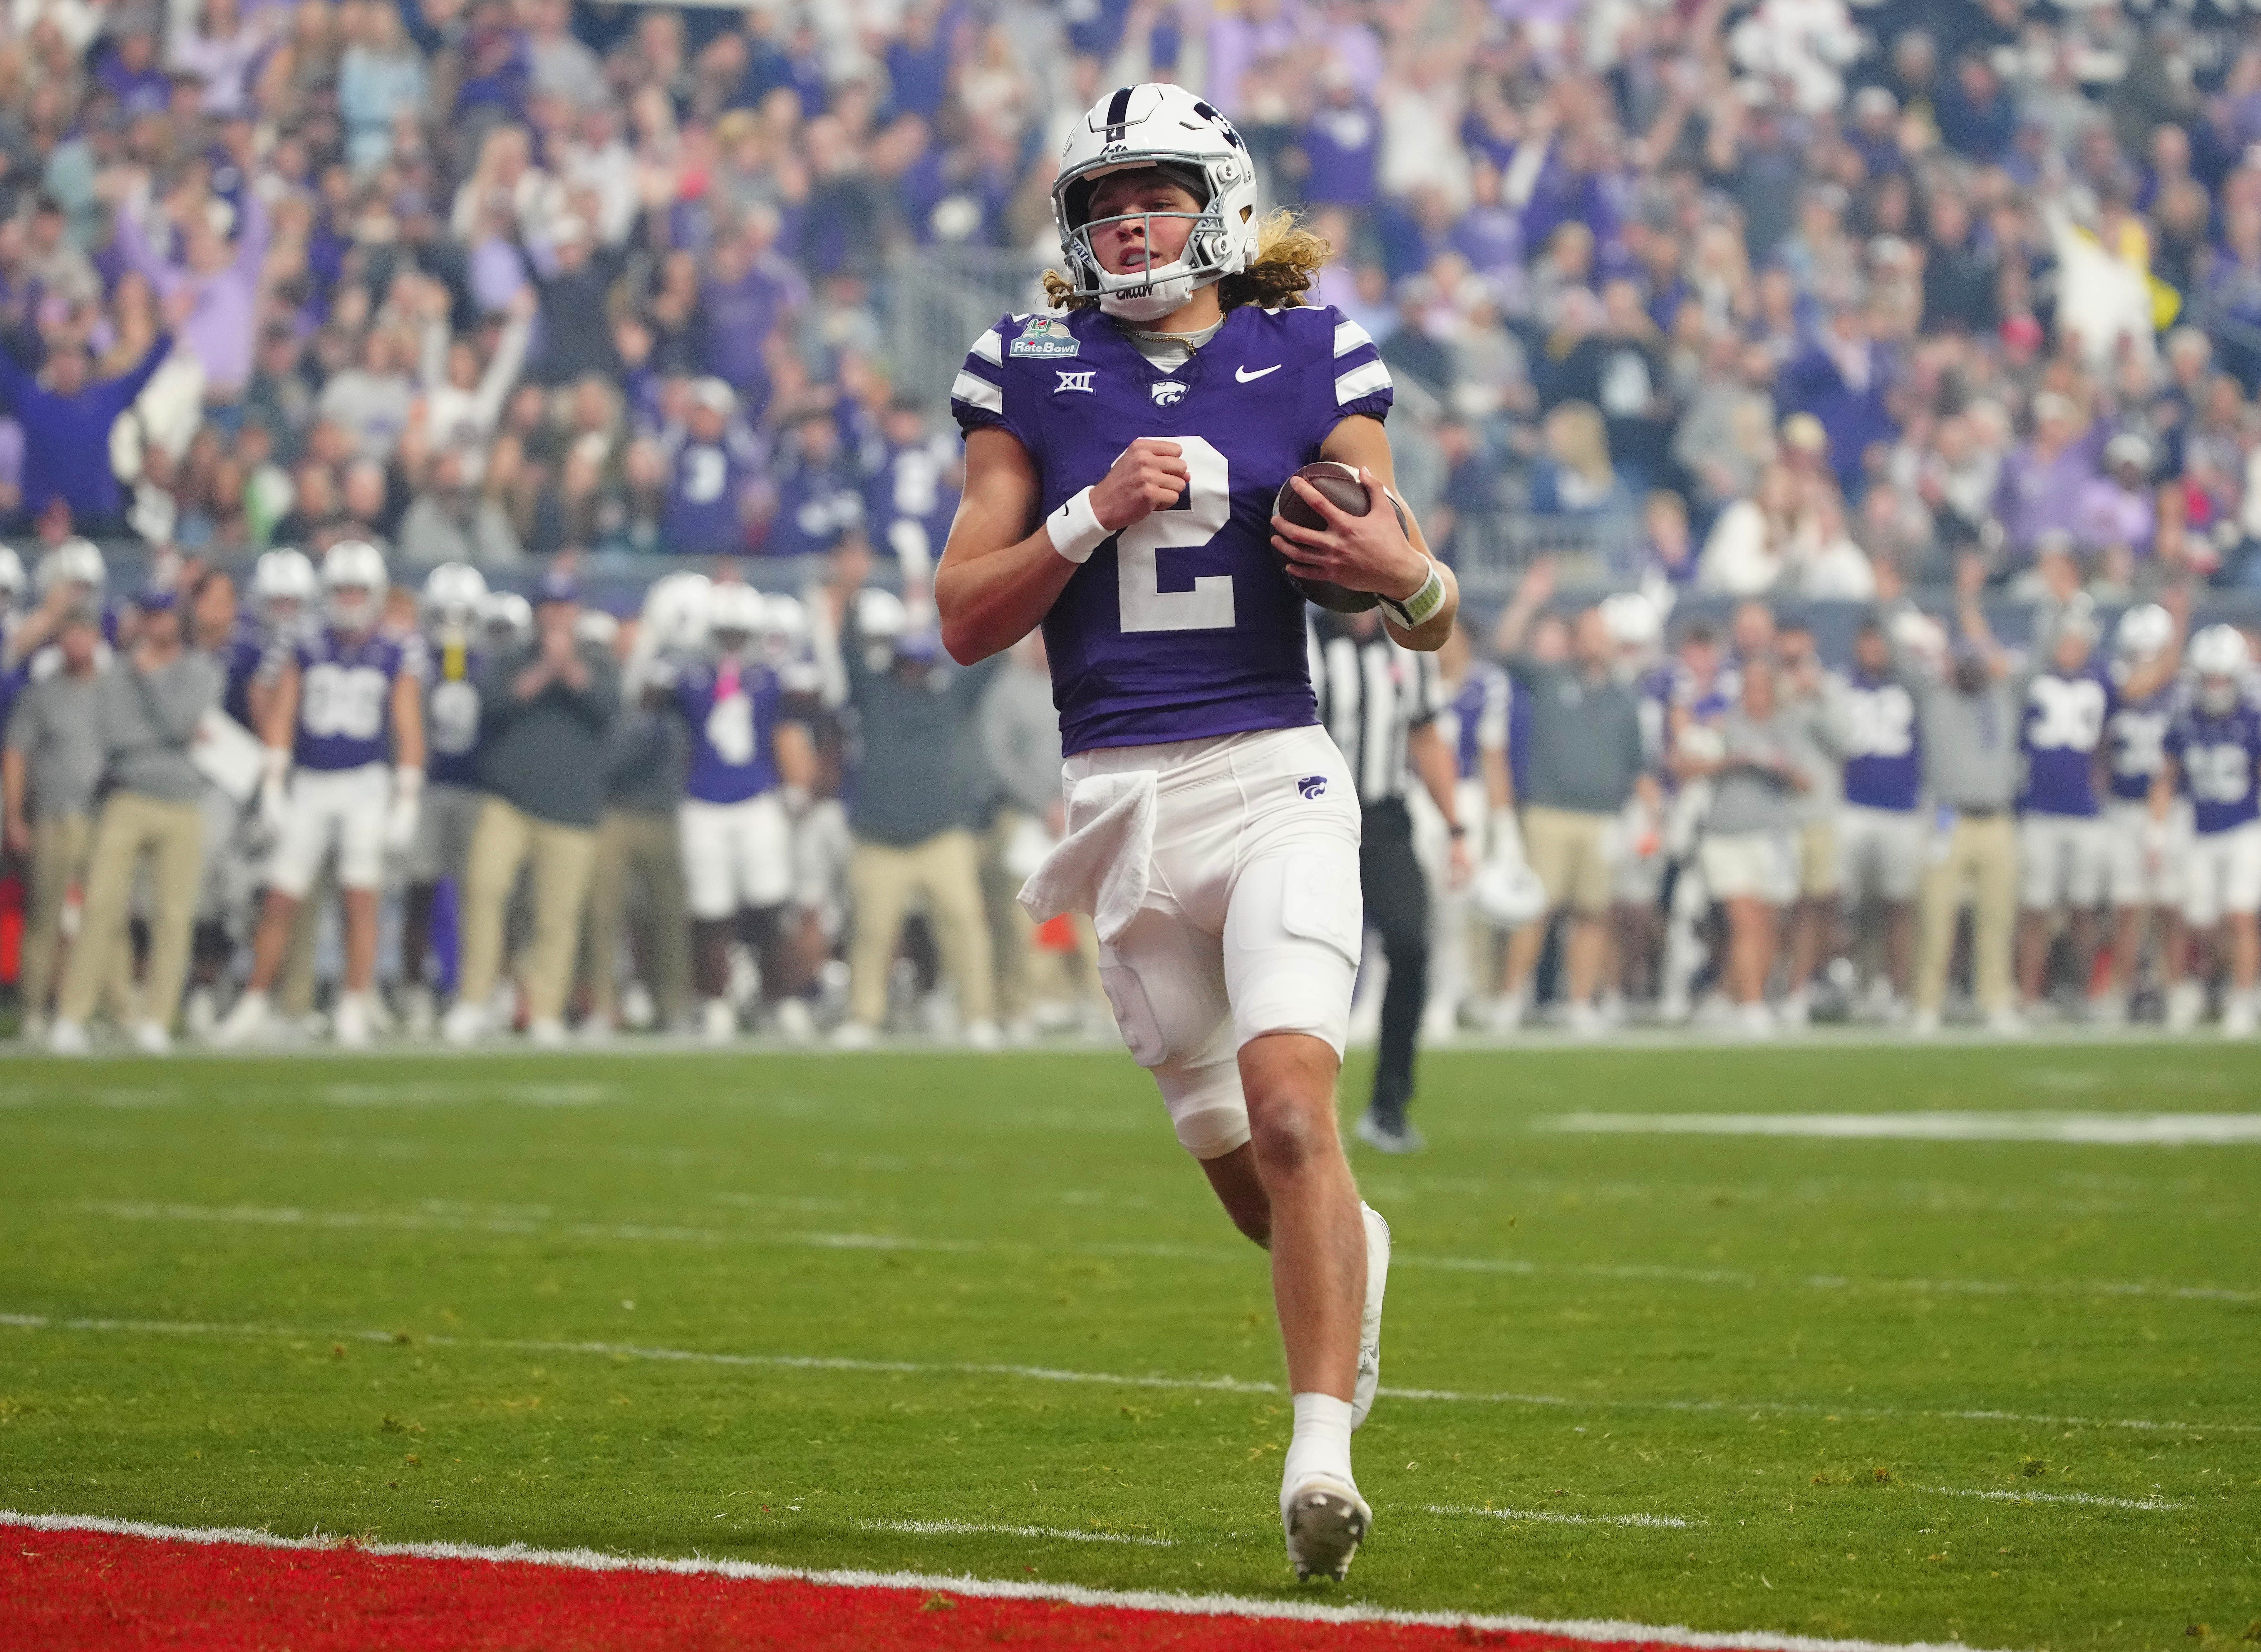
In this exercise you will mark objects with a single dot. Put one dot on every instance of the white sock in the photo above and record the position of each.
(1321, 1444)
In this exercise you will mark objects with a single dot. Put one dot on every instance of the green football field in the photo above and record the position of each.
(955, 1313)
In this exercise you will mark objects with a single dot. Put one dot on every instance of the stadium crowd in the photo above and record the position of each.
(389, 311)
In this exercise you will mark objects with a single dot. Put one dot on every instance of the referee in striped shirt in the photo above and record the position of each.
(1381, 703)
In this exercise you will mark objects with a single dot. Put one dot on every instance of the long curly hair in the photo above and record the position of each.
(1288, 259)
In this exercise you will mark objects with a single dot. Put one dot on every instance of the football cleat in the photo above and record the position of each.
(244, 1024)
(1326, 1520)
(1369, 1325)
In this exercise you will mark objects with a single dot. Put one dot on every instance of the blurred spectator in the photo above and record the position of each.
(51, 765)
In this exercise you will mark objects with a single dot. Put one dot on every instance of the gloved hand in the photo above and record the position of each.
(407, 803)
(274, 791)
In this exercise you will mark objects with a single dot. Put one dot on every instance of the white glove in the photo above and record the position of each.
(274, 791)
(407, 803)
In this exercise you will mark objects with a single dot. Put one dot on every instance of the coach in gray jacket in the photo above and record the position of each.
(1968, 718)
(1587, 762)
(146, 713)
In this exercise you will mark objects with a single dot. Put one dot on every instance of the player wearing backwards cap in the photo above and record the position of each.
(1123, 453)
(347, 715)
(2213, 750)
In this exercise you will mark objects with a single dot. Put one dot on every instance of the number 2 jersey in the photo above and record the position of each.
(345, 696)
(1184, 625)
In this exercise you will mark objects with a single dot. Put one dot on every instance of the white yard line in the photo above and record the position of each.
(1054, 1374)
(1554, 1517)
(972, 1528)
(2108, 1130)
(983, 1588)
(2156, 1504)
(517, 1224)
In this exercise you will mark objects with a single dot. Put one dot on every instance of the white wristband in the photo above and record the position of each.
(1415, 609)
(1075, 529)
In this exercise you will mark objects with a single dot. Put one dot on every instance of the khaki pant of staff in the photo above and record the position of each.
(1978, 863)
(173, 836)
(636, 848)
(58, 860)
(882, 882)
(506, 838)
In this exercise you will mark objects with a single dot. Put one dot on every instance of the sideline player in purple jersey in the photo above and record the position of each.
(1880, 832)
(2143, 868)
(1121, 459)
(1474, 723)
(349, 699)
(2214, 753)
(448, 607)
(752, 768)
(2061, 842)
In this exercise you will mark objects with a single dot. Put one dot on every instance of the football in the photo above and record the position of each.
(1340, 484)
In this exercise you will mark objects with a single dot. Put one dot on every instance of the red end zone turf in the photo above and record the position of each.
(72, 1590)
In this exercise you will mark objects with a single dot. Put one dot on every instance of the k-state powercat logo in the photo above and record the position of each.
(1312, 785)
(1167, 392)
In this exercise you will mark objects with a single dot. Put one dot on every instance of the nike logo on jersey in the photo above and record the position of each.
(1076, 381)
(1245, 377)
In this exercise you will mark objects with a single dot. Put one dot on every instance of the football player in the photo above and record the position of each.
(2143, 859)
(747, 761)
(448, 608)
(2061, 841)
(2212, 749)
(1474, 727)
(348, 716)
(1880, 831)
(1122, 456)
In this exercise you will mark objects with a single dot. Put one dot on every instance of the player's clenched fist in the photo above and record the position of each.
(1147, 477)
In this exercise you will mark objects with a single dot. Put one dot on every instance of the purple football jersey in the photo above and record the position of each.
(2058, 736)
(2217, 755)
(345, 698)
(1480, 715)
(1184, 625)
(733, 731)
(2135, 742)
(243, 659)
(451, 716)
(1883, 768)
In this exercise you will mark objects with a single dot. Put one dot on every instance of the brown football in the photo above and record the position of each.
(1340, 484)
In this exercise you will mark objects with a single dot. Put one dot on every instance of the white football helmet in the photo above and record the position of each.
(880, 615)
(75, 562)
(734, 615)
(11, 577)
(506, 621)
(1507, 894)
(598, 628)
(1135, 129)
(1633, 623)
(354, 584)
(675, 614)
(2143, 632)
(2220, 659)
(451, 597)
(283, 586)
